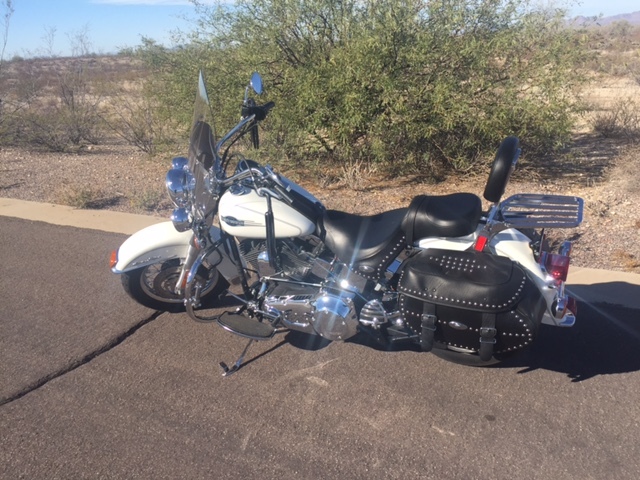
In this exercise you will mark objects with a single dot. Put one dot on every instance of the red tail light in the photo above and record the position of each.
(557, 265)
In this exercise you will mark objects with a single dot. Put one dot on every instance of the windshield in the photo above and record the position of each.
(202, 156)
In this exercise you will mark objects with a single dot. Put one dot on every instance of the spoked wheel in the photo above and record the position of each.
(154, 286)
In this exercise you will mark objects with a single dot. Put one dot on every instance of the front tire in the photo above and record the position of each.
(154, 286)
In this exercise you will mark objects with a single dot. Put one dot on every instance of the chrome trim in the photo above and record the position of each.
(528, 210)
(191, 297)
(181, 219)
(179, 163)
(233, 131)
(179, 186)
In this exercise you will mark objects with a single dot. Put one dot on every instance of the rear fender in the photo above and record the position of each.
(514, 244)
(162, 242)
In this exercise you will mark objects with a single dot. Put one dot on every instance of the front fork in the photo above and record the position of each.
(192, 286)
(192, 255)
(199, 251)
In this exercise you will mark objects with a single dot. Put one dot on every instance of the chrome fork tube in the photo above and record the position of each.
(191, 294)
(192, 253)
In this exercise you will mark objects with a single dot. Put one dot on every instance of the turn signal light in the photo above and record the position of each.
(557, 265)
(114, 259)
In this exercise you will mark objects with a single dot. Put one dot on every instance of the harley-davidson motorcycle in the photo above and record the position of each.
(441, 275)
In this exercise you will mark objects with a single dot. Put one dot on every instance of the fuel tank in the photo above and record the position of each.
(242, 211)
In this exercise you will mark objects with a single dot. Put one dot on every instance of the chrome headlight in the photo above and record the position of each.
(180, 182)
(181, 219)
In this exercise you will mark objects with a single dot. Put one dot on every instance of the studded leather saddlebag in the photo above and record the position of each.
(469, 301)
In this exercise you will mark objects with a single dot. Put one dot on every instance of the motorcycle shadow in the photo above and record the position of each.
(605, 340)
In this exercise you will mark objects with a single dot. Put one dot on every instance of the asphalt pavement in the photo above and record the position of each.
(95, 386)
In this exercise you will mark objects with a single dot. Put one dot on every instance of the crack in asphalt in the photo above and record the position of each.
(81, 361)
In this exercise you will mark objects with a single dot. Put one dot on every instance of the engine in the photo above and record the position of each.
(302, 303)
(329, 312)
(329, 315)
(297, 257)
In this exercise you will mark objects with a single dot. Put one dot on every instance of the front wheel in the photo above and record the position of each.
(154, 286)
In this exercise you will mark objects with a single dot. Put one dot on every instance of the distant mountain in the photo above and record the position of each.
(632, 18)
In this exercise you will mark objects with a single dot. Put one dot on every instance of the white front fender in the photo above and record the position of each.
(162, 242)
(156, 243)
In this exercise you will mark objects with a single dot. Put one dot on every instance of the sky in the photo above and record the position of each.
(41, 27)
(109, 24)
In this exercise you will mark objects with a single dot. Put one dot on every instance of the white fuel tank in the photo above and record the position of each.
(242, 211)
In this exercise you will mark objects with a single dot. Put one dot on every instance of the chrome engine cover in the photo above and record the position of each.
(334, 317)
(295, 311)
(330, 316)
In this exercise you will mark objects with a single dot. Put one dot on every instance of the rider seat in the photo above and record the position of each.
(370, 243)
(367, 243)
(454, 215)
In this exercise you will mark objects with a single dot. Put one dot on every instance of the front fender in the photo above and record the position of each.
(150, 245)
(162, 242)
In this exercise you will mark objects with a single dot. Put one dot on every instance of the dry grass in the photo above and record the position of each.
(148, 200)
(627, 261)
(79, 196)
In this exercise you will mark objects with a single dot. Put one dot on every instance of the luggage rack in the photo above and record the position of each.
(530, 210)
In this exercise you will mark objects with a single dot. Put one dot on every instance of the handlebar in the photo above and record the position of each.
(260, 112)
(274, 186)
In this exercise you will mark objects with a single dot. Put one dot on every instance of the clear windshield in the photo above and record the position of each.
(202, 154)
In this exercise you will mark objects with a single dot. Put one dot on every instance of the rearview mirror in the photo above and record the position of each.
(256, 83)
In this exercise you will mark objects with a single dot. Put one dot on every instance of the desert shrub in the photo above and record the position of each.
(134, 118)
(78, 196)
(622, 120)
(400, 84)
(613, 47)
(55, 109)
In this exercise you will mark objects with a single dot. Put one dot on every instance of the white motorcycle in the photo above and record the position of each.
(442, 274)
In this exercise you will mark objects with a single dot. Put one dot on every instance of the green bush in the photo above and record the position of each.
(403, 85)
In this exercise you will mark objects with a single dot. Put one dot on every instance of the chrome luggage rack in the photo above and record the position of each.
(530, 210)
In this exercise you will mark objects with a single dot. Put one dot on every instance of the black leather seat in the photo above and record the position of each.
(454, 215)
(370, 243)
(354, 238)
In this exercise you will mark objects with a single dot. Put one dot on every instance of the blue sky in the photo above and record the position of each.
(109, 24)
(112, 24)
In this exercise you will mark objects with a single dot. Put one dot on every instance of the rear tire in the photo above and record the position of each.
(154, 286)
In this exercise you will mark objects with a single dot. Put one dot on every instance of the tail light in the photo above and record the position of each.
(556, 265)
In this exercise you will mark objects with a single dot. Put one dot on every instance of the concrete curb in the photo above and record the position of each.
(604, 286)
(104, 220)
(586, 284)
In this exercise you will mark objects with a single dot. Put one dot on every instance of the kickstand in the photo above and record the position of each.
(226, 371)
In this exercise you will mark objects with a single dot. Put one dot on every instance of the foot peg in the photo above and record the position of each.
(245, 326)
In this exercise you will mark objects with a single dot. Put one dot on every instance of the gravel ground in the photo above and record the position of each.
(117, 177)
